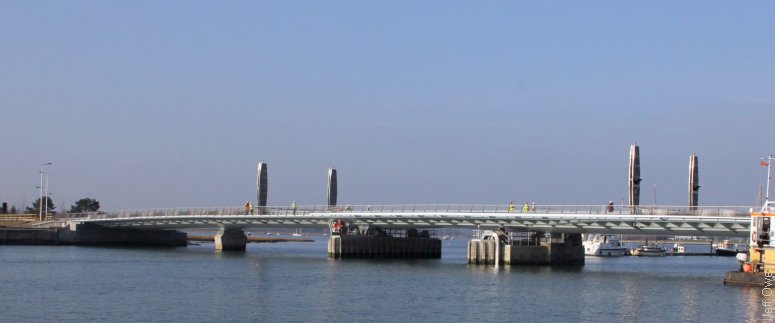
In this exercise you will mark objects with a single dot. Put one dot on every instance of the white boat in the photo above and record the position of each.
(603, 245)
(678, 248)
(297, 233)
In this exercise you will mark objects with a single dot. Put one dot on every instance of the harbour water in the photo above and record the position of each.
(296, 282)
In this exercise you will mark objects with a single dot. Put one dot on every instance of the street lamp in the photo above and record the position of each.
(40, 208)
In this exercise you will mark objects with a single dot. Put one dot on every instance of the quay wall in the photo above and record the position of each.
(25, 236)
(91, 235)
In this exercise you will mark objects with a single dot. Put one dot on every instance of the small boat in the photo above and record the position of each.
(297, 233)
(606, 245)
(649, 250)
(678, 248)
(726, 248)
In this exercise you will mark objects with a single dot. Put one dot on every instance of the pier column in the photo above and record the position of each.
(634, 178)
(332, 189)
(694, 183)
(262, 187)
(231, 240)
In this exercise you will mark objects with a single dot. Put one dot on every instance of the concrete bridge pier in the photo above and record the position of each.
(528, 248)
(487, 249)
(231, 240)
(561, 249)
(373, 242)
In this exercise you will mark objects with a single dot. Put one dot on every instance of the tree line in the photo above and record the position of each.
(83, 205)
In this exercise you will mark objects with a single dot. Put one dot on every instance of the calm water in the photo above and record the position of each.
(297, 282)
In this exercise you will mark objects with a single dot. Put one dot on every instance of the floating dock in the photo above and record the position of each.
(739, 278)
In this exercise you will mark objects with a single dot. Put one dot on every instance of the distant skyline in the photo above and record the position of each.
(172, 104)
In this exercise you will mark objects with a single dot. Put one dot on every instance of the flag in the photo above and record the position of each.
(764, 163)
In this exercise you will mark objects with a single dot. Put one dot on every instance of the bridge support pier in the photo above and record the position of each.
(362, 246)
(231, 240)
(488, 250)
(562, 249)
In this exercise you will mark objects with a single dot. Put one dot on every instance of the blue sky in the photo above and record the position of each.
(168, 104)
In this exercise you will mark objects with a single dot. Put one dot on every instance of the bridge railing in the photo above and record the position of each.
(505, 209)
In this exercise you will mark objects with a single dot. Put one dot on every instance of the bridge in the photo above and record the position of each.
(723, 221)
(544, 234)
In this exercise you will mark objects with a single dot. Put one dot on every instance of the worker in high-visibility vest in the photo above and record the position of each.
(293, 207)
(512, 207)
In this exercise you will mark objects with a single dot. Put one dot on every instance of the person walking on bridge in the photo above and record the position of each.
(525, 208)
(247, 207)
(610, 207)
(250, 207)
(293, 207)
(512, 207)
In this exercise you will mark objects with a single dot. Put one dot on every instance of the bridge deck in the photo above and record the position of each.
(660, 220)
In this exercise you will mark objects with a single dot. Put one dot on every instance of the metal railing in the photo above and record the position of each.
(306, 210)
(20, 217)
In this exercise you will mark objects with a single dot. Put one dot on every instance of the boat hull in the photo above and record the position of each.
(726, 252)
(650, 253)
(609, 252)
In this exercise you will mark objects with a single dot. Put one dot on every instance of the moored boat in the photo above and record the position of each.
(756, 267)
(606, 245)
(727, 248)
(649, 250)
(678, 248)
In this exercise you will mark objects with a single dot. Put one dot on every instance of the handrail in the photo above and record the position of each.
(19, 217)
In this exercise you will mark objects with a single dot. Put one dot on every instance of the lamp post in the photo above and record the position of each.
(40, 208)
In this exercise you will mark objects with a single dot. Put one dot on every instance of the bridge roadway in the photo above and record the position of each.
(653, 220)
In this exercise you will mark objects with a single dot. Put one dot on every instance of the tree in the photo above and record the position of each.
(85, 205)
(35, 209)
